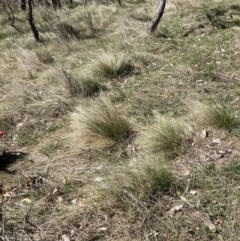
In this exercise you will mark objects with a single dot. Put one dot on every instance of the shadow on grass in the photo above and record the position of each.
(7, 158)
(223, 18)
(73, 5)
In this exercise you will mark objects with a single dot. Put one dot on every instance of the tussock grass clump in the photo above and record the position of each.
(7, 122)
(185, 73)
(166, 136)
(82, 84)
(66, 31)
(99, 124)
(91, 86)
(111, 65)
(73, 85)
(145, 179)
(232, 169)
(29, 61)
(44, 56)
(219, 116)
(150, 178)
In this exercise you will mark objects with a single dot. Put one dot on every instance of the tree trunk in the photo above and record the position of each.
(41, 2)
(44, 3)
(56, 4)
(22, 4)
(31, 21)
(120, 3)
(156, 19)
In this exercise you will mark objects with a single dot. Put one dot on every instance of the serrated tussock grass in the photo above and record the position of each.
(70, 82)
(82, 84)
(91, 85)
(66, 31)
(30, 61)
(219, 116)
(149, 178)
(99, 124)
(166, 136)
(111, 65)
(232, 169)
(44, 56)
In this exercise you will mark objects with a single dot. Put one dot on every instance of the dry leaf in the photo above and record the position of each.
(220, 237)
(193, 192)
(204, 134)
(7, 195)
(28, 200)
(199, 81)
(80, 202)
(98, 179)
(186, 171)
(65, 238)
(55, 190)
(176, 209)
(2, 133)
(74, 201)
(211, 226)
(72, 232)
(103, 229)
(184, 199)
(216, 141)
(64, 180)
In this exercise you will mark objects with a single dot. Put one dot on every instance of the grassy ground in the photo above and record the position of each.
(116, 135)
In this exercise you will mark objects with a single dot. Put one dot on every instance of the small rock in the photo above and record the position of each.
(200, 81)
(216, 141)
(98, 179)
(193, 192)
(204, 134)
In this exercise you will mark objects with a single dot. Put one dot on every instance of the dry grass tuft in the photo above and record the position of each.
(166, 136)
(44, 56)
(219, 116)
(99, 124)
(83, 84)
(142, 180)
(29, 61)
(185, 74)
(72, 84)
(66, 31)
(7, 122)
(91, 86)
(111, 65)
